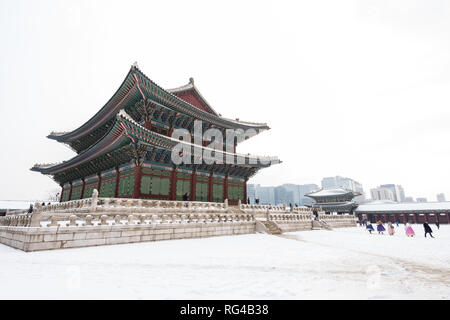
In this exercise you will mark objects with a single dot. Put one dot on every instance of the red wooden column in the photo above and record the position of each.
(82, 188)
(193, 185)
(62, 191)
(173, 184)
(210, 187)
(225, 188)
(416, 217)
(116, 190)
(448, 217)
(245, 191)
(137, 182)
(99, 184)
(148, 125)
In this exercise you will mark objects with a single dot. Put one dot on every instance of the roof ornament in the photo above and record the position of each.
(191, 80)
(135, 65)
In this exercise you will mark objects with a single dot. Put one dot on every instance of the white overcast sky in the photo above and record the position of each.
(353, 88)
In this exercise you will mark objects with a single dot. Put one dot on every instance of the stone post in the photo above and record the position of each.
(94, 200)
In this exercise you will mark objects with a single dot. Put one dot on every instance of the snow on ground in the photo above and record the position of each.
(340, 264)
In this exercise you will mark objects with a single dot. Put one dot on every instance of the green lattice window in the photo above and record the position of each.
(76, 193)
(155, 185)
(88, 189)
(107, 189)
(183, 186)
(217, 193)
(201, 191)
(65, 194)
(236, 192)
(126, 186)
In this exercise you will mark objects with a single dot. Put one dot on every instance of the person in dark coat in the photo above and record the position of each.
(437, 224)
(185, 197)
(427, 229)
(30, 209)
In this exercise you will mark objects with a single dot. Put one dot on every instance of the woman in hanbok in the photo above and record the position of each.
(380, 227)
(369, 227)
(390, 229)
(409, 230)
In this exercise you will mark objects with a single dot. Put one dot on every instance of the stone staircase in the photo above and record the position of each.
(319, 225)
(272, 227)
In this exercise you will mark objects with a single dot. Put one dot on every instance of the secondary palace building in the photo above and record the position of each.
(125, 149)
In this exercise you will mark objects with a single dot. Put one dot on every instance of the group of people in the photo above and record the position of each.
(409, 231)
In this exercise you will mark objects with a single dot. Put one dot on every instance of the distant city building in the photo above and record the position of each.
(262, 195)
(346, 183)
(408, 199)
(382, 194)
(440, 197)
(284, 194)
(397, 191)
(421, 200)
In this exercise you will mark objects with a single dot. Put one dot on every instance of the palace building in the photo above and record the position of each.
(125, 149)
(337, 200)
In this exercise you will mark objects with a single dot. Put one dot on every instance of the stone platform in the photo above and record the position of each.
(107, 221)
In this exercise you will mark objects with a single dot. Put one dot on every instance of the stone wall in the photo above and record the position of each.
(46, 238)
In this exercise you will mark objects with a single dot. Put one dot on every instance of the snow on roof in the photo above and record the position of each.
(413, 206)
(329, 192)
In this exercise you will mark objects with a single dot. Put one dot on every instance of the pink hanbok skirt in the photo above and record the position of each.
(410, 232)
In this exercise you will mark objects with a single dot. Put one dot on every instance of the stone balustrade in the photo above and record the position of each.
(81, 220)
(18, 220)
(99, 205)
(289, 217)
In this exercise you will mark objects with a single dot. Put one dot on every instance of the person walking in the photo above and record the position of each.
(437, 224)
(185, 197)
(369, 227)
(396, 222)
(30, 209)
(427, 229)
(391, 230)
(380, 227)
(409, 230)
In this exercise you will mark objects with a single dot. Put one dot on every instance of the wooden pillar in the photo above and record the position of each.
(70, 192)
(82, 188)
(137, 182)
(147, 124)
(210, 187)
(416, 218)
(245, 191)
(99, 183)
(448, 217)
(62, 191)
(225, 188)
(193, 185)
(173, 184)
(116, 191)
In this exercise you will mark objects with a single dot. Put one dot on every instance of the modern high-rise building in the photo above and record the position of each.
(397, 191)
(346, 183)
(284, 194)
(422, 199)
(440, 197)
(382, 194)
(409, 199)
(264, 195)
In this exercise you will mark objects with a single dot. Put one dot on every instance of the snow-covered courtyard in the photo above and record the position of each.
(345, 263)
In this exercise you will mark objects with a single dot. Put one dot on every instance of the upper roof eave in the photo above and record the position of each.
(100, 147)
(128, 85)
